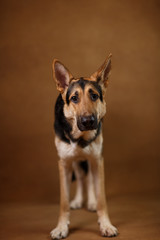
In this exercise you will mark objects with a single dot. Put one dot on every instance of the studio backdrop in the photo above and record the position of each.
(80, 34)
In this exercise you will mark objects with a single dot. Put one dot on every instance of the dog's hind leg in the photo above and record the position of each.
(92, 202)
(61, 231)
(77, 202)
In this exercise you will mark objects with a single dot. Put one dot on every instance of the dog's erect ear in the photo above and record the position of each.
(101, 76)
(61, 75)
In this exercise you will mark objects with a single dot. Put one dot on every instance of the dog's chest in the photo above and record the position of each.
(73, 151)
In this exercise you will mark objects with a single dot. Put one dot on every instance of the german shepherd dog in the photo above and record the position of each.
(79, 110)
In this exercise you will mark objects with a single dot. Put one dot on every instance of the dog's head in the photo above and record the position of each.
(84, 103)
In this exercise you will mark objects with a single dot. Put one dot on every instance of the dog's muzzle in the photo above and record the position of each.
(86, 123)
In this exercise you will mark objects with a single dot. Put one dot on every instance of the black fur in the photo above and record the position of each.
(69, 92)
(84, 165)
(99, 89)
(82, 82)
(61, 126)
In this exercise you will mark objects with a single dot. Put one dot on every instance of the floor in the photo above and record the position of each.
(136, 217)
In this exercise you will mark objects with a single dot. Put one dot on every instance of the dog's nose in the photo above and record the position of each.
(88, 121)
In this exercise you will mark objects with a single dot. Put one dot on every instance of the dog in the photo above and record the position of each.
(79, 110)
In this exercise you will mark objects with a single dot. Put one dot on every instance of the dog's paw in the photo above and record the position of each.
(108, 230)
(76, 204)
(61, 231)
(92, 206)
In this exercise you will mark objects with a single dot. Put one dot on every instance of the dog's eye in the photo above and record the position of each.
(74, 99)
(94, 96)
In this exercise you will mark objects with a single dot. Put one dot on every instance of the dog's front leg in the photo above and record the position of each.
(61, 231)
(106, 228)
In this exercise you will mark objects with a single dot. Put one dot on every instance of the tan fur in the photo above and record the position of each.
(70, 154)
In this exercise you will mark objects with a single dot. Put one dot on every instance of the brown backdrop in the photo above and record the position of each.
(81, 34)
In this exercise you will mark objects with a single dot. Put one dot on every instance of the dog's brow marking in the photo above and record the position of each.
(76, 93)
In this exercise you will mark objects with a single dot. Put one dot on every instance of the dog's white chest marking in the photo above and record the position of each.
(73, 151)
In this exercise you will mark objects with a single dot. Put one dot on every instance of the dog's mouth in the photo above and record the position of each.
(86, 123)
